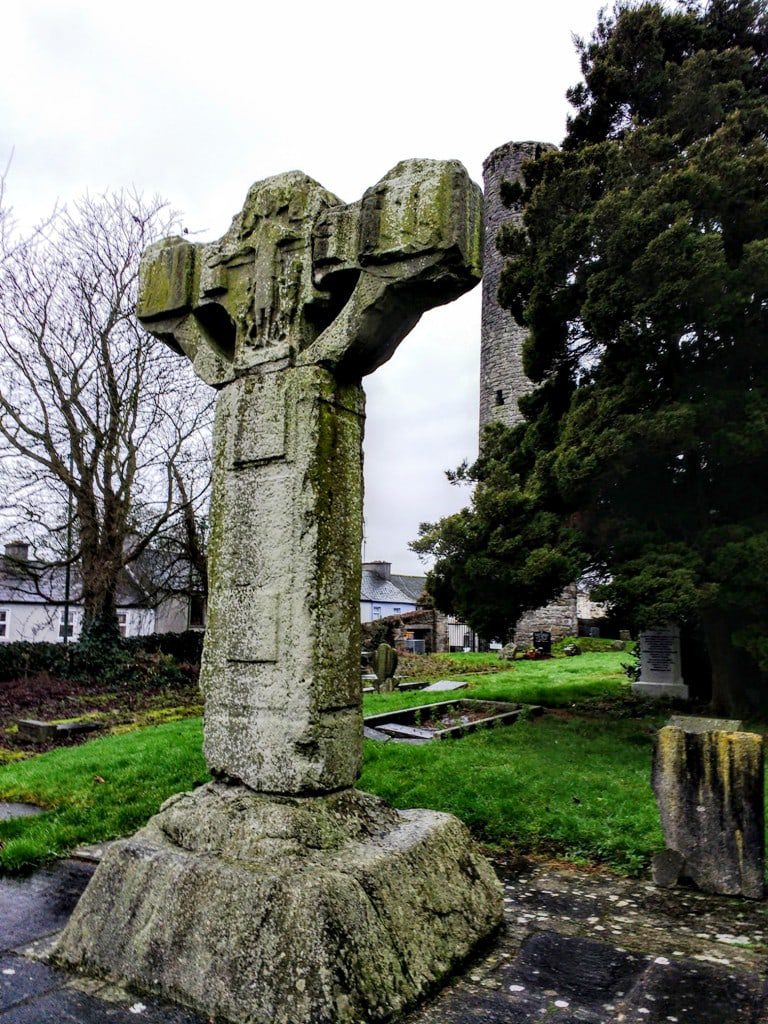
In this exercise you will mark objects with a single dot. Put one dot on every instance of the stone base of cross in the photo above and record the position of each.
(279, 893)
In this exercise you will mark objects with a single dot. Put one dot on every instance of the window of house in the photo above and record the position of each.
(122, 623)
(196, 611)
(3, 624)
(395, 611)
(377, 611)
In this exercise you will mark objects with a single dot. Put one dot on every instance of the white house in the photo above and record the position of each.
(384, 593)
(32, 604)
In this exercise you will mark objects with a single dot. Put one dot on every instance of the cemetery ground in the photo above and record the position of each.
(562, 803)
(571, 783)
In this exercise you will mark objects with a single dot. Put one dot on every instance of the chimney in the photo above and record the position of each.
(382, 569)
(17, 550)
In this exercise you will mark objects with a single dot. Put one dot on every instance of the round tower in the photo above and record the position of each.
(502, 380)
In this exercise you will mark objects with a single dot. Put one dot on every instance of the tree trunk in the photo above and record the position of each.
(737, 687)
(100, 616)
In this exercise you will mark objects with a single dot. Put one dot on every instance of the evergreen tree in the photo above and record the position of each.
(641, 273)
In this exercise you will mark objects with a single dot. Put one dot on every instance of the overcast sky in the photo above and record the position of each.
(197, 101)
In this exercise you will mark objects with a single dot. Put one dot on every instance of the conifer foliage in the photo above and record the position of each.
(641, 273)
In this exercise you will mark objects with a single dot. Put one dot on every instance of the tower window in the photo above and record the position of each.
(499, 397)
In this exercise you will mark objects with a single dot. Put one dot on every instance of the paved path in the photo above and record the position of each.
(588, 947)
(578, 946)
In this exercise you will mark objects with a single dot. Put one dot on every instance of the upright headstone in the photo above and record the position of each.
(708, 780)
(384, 666)
(279, 892)
(542, 641)
(660, 664)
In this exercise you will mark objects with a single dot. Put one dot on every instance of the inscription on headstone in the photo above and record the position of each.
(542, 641)
(660, 664)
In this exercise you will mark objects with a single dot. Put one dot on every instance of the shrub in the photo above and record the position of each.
(155, 660)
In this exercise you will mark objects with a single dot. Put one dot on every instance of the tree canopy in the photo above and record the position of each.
(103, 434)
(641, 273)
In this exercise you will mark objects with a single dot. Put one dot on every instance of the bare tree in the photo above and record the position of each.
(103, 434)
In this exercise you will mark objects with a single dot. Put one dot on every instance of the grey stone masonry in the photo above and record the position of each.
(559, 618)
(502, 379)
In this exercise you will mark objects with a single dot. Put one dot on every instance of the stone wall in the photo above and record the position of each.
(559, 618)
(430, 624)
(502, 378)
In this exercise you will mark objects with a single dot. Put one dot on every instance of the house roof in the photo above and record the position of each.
(396, 589)
(411, 585)
(30, 583)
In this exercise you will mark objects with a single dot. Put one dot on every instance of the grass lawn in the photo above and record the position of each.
(574, 782)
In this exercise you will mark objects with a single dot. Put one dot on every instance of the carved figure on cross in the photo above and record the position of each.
(285, 314)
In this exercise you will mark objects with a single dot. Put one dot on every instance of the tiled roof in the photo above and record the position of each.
(39, 585)
(395, 590)
(411, 585)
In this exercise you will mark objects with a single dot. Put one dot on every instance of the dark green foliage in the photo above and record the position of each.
(378, 631)
(186, 647)
(136, 662)
(642, 275)
(22, 658)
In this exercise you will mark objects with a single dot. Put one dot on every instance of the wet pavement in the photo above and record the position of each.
(577, 946)
(587, 946)
(32, 911)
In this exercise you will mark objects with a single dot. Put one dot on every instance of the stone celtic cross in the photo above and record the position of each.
(279, 893)
(285, 314)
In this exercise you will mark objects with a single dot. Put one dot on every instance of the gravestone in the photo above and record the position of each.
(542, 641)
(660, 666)
(445, 686)
(708, 780)
(384, 667)
(279, 893)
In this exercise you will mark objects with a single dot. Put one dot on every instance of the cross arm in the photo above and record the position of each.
(169, 286)
(414, 241)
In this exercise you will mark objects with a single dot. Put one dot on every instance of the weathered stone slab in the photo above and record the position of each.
(696, 724)
(327, 910)
(375, 734)
(45, 732)
(445, 686)
(709, 788)
(443, 720)
(12, 810)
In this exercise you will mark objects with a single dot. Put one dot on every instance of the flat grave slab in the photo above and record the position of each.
(444, 719)
(445, 686)
(43, 732)
(11, 810)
